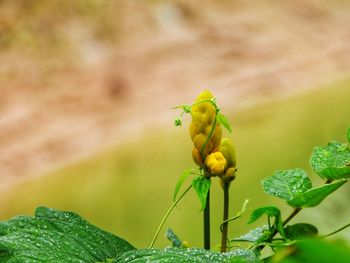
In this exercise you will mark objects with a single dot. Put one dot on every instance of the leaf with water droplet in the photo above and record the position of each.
(57, 236)
(315, 196)
(256, 235)
(331, 161)
(287, 184)
(193, 255)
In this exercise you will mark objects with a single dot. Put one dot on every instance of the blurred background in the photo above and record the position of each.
(87, 87)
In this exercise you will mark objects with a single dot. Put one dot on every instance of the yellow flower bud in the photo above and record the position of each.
(197, 157)
(216, 163)
(199, 141)
(203, 117)
(227, 149)
(185, 244)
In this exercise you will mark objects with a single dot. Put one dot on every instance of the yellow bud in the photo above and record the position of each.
(203, 117)
(199, 140)
(228, 177)
(216, 136)
(197, 157)
(216, 163)
(227, 149)
(204, 95)
(185, 244)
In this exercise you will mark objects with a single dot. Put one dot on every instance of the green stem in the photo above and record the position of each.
(167, 215)
(209, 136)
(293, 214)
(336, 231)
(206, 223)
(225, 224)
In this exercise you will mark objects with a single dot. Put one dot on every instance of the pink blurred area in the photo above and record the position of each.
(77, 76)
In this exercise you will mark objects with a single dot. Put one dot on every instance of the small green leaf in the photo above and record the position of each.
(57, 236)
(256, 235)
(300, 230)
(331, 161)
(193, 255)
(202, 186)
(287, 184)
(348, 135)
(221, 118)
(176, 242)
(270, 211)
(180, 182)
(315, 196)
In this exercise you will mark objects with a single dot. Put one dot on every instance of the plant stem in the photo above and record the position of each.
(336, 231)
(167, 215)
(225, 224)
(293, 214)
(206, 223)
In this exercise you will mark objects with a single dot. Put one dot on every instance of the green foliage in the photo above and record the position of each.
(315, 196)
(331, 161)
(191, 255)
(348, 135)
(270, 211)
(255, 235)
(202, 185)
(300, 230)
(180, 182)
(221, 118)
(57, 236)
(295, 187)
(287, 184)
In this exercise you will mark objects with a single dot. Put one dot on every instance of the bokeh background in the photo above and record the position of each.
(87, 87)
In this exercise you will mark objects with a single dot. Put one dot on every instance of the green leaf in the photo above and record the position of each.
(331, 161)
(57, 236)
(300, 230)
(315, 196)
(255, 235)
(287, 184)
(180, 182)
(270, 211)
(348, 135)
(221, 118)
(176, 242)
(202, 186)
(192, 255)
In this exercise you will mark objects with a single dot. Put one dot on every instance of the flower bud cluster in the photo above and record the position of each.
(216, 155)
